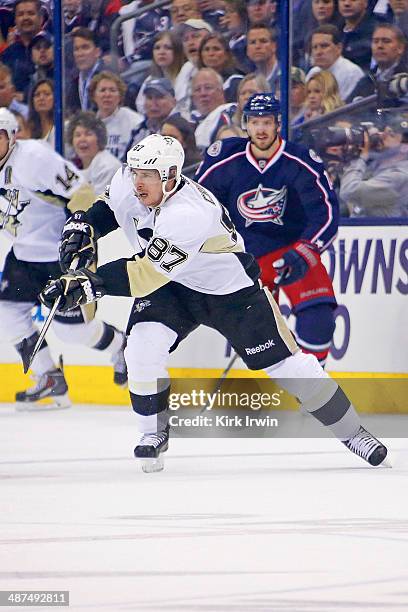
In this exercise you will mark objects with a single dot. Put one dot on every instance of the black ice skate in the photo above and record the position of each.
(120, 374)
(150, 449)
(367, 447)
(51, 387)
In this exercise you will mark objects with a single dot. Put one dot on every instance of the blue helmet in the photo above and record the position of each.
(261, 105)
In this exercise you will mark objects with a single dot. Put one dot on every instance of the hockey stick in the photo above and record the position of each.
(275, 294)
(28, 358)
(221, 379)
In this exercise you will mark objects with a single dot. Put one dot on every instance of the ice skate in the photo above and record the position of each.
(367, 447)
(50, 393)
(150, 449)
(120, 374)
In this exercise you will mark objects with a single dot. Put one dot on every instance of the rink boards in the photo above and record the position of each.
(369, 267)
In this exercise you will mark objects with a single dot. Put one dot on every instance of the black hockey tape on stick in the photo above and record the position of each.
(28, 358)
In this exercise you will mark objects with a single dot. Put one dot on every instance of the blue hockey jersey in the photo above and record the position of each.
(272, 202)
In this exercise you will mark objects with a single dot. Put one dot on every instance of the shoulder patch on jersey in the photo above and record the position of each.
(215, 148)
(315, 156)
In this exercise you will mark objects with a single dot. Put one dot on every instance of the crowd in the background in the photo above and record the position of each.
(187, 68)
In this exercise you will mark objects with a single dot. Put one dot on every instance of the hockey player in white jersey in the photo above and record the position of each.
(191, 268)
(36, 185)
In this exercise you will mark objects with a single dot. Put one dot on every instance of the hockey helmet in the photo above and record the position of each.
(155, 152)
(9, 124)
(261, 105)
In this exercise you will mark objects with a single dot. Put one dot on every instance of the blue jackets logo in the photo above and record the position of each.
(263, 205)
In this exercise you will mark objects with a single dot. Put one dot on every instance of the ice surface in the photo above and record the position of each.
(230, 525)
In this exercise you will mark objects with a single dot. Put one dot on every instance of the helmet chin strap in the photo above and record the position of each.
(167, 194)
(7, 155)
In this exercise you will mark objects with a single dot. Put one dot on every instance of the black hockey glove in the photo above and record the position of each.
(78, 239)
(295, 263)
(76, 288)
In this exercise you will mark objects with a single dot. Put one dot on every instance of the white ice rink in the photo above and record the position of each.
(230, 525)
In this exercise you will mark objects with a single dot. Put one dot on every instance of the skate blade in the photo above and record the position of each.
(46, 405)
(387, 463)
(150, 465)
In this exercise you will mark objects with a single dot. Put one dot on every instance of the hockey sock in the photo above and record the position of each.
(314, 330)
(110, 341)
(151, 410)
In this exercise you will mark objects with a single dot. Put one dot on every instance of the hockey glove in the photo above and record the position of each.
(76, 288)
(78, 239)
(295, 263)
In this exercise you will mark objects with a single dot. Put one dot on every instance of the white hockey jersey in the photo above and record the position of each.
(189, 239)
(37, 183)
(121, 127)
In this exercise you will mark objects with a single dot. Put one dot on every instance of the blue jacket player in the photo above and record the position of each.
(280, 199)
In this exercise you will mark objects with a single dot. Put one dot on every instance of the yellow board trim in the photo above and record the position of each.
(94, 385)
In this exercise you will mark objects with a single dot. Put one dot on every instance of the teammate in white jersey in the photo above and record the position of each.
(190, 269)
(36, 185)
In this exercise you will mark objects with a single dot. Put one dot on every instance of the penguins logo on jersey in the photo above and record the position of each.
(12, 208)
(263, 205)
(142, 304)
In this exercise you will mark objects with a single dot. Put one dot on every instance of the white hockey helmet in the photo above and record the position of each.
(162, 153)
(9, 124)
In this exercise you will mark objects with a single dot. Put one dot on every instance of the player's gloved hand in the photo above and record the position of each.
(77, 288)
(295, 263)
(78, 240)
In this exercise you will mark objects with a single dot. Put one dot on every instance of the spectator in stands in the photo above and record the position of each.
(388, 47)
(398, 14)
(145, 28)
(182, 10)
(8, 94)
(23, 131)
(178, 127)
(212, 12)
(358, 28)
(88, 62)
(209, 103)
(262, 51)
(42, 55)
(320, 13)
(322, 96)
(76, 14)
(192, 33)
(251, 84)
(325, 11)
(326, 52)
(88, 137)
(28, 19)
(376, 183)
(160, 103)
(108, 90)
(262, 12)
(234, 25)
(297, 92)
(214, 53)
(41, 111)
(208, 93)
(6, 26)
(168, 59)
(228, 131)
